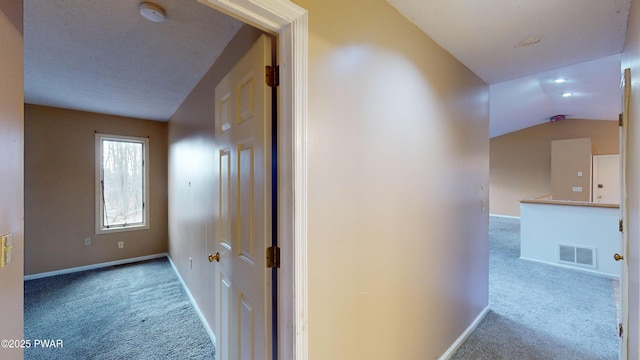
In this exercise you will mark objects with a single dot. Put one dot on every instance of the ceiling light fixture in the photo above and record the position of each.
(566, 94)
(556, 118)
(152, 12)
(559, 80)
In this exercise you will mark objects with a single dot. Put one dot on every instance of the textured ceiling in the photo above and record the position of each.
(486, 36)
(102, 56)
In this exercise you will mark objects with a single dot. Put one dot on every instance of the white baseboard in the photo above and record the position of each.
(575, 268)
(505, 216)
(193, 303)
(452, 349)
(93, 266)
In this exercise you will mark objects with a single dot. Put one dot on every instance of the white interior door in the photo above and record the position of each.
(606, 179)
(242, 288)
(624, 235)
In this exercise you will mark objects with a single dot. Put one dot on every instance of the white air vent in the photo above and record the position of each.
(567, 253)
(576, 255)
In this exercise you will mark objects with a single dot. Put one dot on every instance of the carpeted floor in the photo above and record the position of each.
(134, 311)
(539, 311)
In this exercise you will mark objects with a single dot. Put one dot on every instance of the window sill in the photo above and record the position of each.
(117, 229)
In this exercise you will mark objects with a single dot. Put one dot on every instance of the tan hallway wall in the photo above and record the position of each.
(192, 171)
(11, 180)
(521, 161)
(631, 59)
(60, 189)
(398, 164)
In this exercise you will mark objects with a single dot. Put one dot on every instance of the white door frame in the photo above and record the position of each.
(289, 22)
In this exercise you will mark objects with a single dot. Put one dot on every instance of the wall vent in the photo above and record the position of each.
(577, 255)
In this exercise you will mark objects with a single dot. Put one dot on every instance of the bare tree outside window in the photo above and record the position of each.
(122, 182)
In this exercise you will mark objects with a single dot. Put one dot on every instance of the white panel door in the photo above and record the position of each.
(624, 216)
(606, 179)
(242, 288)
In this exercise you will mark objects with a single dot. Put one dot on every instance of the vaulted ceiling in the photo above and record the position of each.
(102, 56)
(519, 47)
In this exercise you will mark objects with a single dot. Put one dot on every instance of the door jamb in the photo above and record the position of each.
(289, 22)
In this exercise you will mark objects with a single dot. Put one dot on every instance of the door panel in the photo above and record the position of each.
(246, 98)
(247, 330)
(224, 310)
(243, 140)
(225, 198)
(223, 120)
(246, 209)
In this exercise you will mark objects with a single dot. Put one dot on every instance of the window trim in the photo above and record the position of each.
(99, 208)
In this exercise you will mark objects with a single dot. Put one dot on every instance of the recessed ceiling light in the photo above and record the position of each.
(152, 12)
(559, 80)
(566, 94)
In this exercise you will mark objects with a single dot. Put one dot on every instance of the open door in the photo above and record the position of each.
(624, 237)
(242, 288)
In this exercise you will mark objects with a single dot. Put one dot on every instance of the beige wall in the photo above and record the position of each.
(398, 163)
(398, 155)
(60, 189)
(11, 180)
(191, 176)
(570, 168)
(631, 59)
(521, 161)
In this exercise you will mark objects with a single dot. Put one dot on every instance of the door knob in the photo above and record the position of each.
(618, 257)
(216, 257)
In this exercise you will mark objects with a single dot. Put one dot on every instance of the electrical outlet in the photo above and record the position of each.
(120, 244)
(87, 241)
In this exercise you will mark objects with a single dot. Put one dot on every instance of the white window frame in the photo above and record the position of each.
(99, 211)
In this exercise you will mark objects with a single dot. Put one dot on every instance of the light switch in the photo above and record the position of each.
(579, 173)
(577, 189)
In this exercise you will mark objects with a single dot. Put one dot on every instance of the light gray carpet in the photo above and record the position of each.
(135, 311)
(539, 311)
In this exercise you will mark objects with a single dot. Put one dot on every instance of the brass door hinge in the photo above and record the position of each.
(272, 76)
(620, 225)
(620, 330)
(273, 257)
(619, 119)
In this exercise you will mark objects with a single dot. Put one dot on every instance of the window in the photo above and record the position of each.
(121, 183)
